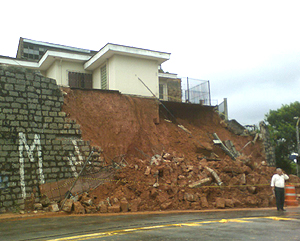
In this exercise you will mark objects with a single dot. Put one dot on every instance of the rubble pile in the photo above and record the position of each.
(200, 164)
(171, 182)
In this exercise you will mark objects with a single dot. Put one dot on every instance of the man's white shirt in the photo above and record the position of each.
(278, 180)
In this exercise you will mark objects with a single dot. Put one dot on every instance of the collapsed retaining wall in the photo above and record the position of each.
(38, 143)
(269, 149)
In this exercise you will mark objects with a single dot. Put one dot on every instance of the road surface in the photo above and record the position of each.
(246, 224)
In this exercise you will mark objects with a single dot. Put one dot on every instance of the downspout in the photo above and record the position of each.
(107, 73)
(60, 63)
(209, 93)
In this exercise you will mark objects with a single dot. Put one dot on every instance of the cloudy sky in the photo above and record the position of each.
(248, 50)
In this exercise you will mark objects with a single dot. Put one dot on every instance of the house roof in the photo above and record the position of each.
(89, 58)
(50, 56)
(167, 75)
(51, 46)
(110, 49)
(18, 62)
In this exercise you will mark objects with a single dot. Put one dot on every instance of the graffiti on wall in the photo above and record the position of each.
(74, 159)
(29, 150)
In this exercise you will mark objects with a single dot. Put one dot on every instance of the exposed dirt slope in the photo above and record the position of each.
(132, 126)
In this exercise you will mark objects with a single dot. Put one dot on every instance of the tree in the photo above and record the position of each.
(282, 127)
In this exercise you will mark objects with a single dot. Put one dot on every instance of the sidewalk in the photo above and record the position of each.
(32, 215)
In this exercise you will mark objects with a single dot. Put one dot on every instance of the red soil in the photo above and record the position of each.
(134, 127)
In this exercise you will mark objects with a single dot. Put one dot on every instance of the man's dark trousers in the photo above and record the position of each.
(279, 194)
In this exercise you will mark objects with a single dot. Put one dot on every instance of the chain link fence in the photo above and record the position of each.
(195, 91)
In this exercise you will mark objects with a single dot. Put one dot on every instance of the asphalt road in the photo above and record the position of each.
(250, 224)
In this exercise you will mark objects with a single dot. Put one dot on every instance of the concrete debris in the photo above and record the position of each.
(215, 175)
(204, 202)
(109, 204)
(37, 206)
(68, 206)
(233, 169)
(102, 207)
(155, 160)
(114, 209)
(243, 179)
(200, 182)
(167, 156)
(148, 170)
(231, 148)
(217, 141)
(185, 129)
(190, 197)
(53, 207)
(229, 203)
(236, 128)
(220, 202)
(124, 205)
(78, 208)
(170, 185)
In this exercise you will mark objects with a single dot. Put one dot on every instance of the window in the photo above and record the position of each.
(80, 80)
(104, 78)
(163, 91)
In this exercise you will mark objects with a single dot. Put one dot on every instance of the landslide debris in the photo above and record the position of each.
(166, 167)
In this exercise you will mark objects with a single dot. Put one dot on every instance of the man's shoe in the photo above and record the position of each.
(283, 210)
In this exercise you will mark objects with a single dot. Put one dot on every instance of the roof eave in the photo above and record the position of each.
(111, 49)
(50, 56)
(18, 62)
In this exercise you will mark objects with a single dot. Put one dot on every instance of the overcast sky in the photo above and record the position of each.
(248, 50)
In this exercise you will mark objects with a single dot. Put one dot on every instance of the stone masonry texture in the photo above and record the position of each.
(38, 143)
(174, 90)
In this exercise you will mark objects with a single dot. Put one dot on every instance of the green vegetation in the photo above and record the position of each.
(282, 127)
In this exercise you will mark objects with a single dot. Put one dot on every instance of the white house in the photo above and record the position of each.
(114, 67)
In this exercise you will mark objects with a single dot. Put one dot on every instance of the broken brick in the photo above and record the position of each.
(204, 202)
(124, 205)
(68, 205)
(114, 208)
(53, 207)
(78, 208)
(220, 202)
(102, 207)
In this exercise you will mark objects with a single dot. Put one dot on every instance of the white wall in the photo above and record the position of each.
(124, 70)
(59, 70)
(97, 79)
(52, 73)
(122, 74)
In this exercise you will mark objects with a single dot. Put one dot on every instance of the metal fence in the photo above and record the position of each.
(196, 91)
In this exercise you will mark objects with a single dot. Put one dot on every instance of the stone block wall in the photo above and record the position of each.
(174, 90)
(269, 149)
(38, 143)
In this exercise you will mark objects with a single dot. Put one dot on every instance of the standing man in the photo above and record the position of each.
(277, 184)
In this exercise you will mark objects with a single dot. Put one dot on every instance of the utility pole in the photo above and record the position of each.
(188, 91)
(298, 144)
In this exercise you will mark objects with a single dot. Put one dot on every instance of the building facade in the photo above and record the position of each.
(113, 67)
